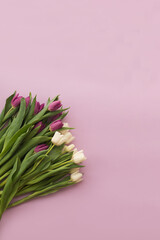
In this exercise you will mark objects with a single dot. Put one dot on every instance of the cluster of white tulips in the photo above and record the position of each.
(64, 136)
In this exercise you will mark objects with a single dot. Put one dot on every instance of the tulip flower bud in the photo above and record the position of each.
(16, 100)
(41, 124)
(68, 137)
(68, 148)
(40, 147)
(38, 107)
(54, 106)
(76, 177)
(56, 125)
(55, 117)
(58, 139)
(78, 157)
(27, 101)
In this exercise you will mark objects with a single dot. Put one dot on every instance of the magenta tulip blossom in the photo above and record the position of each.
(55, 117)
(54, 106)
(56, 125)
(38, 107)
(16, 100)
(40, 147)
(42, 126)
(27, 101)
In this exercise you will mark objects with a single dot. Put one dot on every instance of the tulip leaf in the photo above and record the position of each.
(54, 113)
(31, 111)
(11, 187)
(6, 147)
(27, 162)
(6, 108)
(17, 122)
(24, 149)
(16, 144)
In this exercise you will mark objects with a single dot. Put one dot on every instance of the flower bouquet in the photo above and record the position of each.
(36, 157)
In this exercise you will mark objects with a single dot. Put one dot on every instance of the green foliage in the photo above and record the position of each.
(22, 170)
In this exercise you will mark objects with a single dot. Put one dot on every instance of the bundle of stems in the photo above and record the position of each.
(36, 157)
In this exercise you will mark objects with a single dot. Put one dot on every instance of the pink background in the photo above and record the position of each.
(103, 58)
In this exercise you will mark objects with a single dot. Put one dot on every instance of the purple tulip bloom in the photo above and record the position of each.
(38, 107)
(56, 125)
(27, 101)
(40, 147)
(54, 106)
(16, 100)
(42, 126)
(55, 117)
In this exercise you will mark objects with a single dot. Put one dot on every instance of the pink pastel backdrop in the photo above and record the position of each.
(103, 58)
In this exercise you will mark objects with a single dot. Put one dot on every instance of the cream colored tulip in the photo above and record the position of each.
(68, 148)
(76, 177)
(58, 138)
(68, 137)
(78, 157)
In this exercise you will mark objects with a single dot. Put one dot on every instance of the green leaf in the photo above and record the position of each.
(27, 162)
(54, 113)
(50, 189)
(24, 149)
(7, 146)
(14, 145)
(48, 174)
(6, 107)
(31, 111)
(56, 152)
(17, 122)
(63, 115)
(10, 188)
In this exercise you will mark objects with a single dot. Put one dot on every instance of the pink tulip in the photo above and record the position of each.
(42, 126)
(56, 125)
(40, 147)
(54, 106)
(38, 107)
(16, 100)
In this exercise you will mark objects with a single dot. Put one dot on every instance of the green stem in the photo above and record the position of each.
(46, 191)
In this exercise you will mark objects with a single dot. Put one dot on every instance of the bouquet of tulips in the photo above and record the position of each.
(36, 157)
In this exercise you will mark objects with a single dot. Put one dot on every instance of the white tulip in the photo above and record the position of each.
(75, 150)
(68, 137)
(65, 125)
(76, 177)
(58, 139)
(78, 157)
(68, 148)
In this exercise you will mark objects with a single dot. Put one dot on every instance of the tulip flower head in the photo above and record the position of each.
(78, 157)
(16, 100)
(27, 101)
(40, 147)
(42, 126)
(55, 117)
(68, 148)
(68, 137)
(54, 106)
(38, 107)
(76, 177)
(58, 139)
(56, 125)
